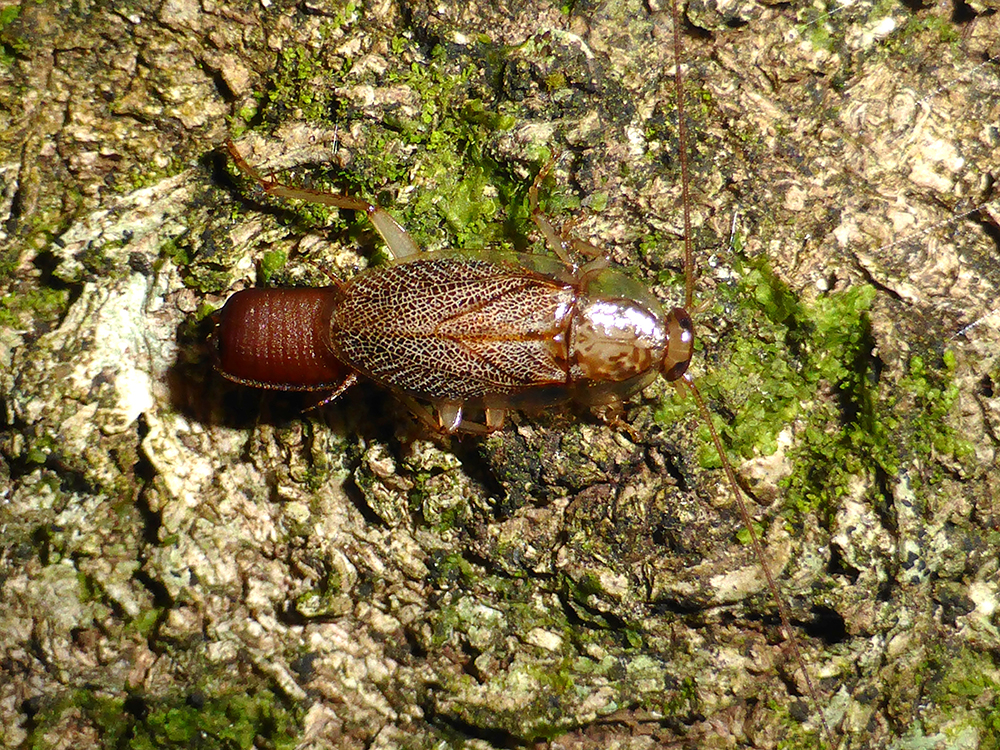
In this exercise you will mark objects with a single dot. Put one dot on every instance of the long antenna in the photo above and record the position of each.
(758, 549)
(682, 156)
(688, 381)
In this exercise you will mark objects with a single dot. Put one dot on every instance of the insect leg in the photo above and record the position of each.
(350, 380)
(450, 416)
(398, 240)
(451, 419)
(552, 237)
(584, 248)
(561, 241)
(494, 419)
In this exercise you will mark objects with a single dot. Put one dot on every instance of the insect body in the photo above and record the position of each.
(459, 331)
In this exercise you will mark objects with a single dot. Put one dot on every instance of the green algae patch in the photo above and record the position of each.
(271, 263)
(11, 43)
(28, 307)
(966, 686)
(425, 151)
(782, 362)
(230, 721)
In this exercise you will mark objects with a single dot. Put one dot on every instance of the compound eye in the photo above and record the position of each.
(680, 344)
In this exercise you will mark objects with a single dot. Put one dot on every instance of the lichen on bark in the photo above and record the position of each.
(184, 558)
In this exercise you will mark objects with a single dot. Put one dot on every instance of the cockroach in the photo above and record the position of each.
(458, 331)
(451, 332)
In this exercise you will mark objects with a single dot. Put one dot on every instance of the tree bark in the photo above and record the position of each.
(186, 560)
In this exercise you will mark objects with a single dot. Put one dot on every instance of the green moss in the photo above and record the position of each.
(205, 253)
(430, 148)
(597, 202)
(586, 587)
(683, 700)
(941, 28)
(743, 535)
(204, 310)
(295, 85)
(965, 686)
(933, 396)
(11, 44)
(146, 622)
(178, 254)
(818, 34)
(345, 16)
(440, 499)
(451, 569)
(556, 198)
(555, 81)
(147, 173)
(270, 263)
(234, 720)
(35, 305)
(785, 362)
(8, 15)
(557, 679)
(229, 721)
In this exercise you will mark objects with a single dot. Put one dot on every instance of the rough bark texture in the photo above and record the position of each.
(186, 563)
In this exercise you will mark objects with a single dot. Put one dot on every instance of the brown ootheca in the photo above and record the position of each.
(843, 337)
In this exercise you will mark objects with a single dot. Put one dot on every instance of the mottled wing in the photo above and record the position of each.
(455, 328)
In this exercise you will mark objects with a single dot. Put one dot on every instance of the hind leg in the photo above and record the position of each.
(397, 239)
